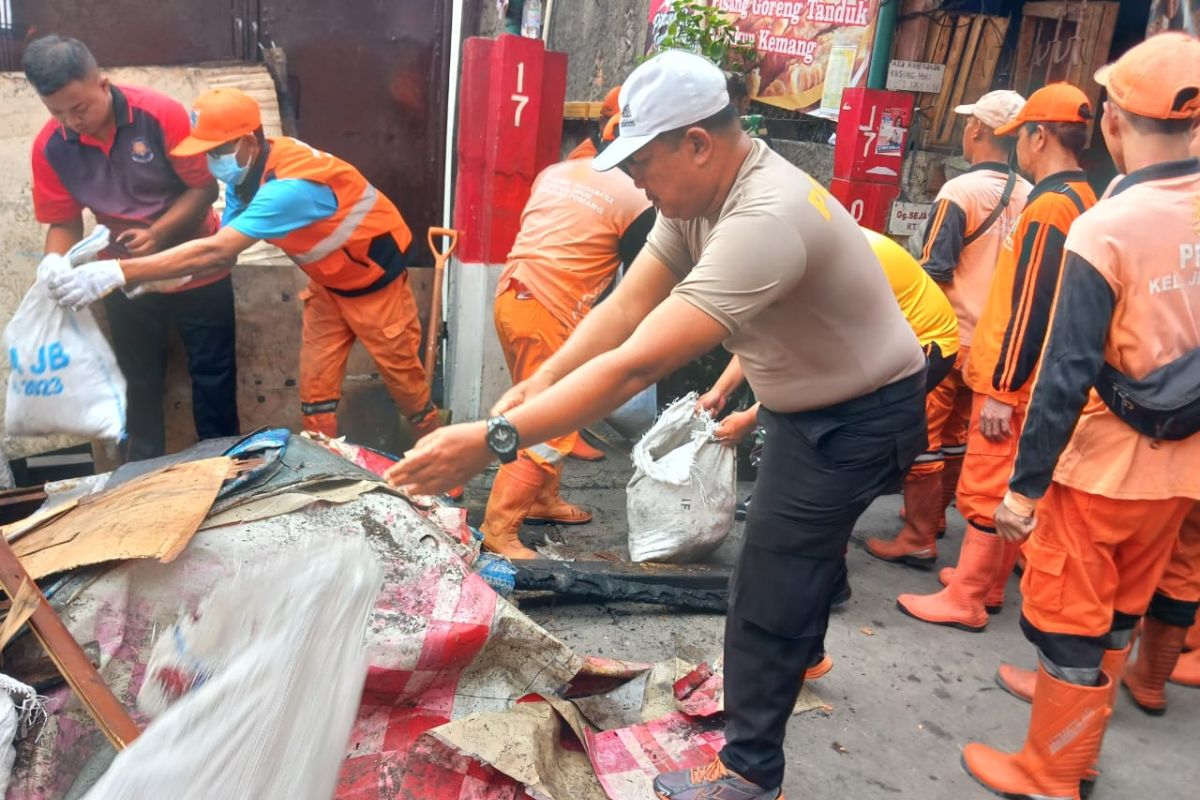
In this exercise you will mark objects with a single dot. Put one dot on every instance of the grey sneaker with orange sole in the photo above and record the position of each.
(713, 781)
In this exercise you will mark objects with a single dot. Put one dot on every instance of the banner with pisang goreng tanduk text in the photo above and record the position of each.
(809, 50)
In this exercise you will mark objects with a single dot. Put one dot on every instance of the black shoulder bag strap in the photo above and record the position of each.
(1005, 197)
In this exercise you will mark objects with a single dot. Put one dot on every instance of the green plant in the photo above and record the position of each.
(705, 30)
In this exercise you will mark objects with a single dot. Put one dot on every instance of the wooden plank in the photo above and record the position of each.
(577, 109)
(97, 698)
(1023, 66)
(936, 48)
(1051, 10)
(1101, 46)
(983, 68)
(963, 67)
(12, 497)
(955, 55)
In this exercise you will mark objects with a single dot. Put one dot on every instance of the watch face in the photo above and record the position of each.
(503, 438)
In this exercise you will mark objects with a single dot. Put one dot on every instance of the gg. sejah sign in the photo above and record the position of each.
(908, 219)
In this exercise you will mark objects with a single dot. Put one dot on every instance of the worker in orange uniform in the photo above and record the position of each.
(971, 216)
(1105, 476)
(578, 227)
(592, 143)
(1051, 132)
(587, 149)
(347, 237)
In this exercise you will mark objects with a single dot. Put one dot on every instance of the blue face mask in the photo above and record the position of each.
(226, 169)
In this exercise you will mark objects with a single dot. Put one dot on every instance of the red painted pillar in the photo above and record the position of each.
(872, 137)
(509, 129)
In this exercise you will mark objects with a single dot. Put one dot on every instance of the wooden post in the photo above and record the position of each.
(67, 655)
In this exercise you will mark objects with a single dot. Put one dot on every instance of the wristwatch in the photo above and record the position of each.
(502, 439)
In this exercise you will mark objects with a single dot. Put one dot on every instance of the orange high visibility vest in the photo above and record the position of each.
(360, 248)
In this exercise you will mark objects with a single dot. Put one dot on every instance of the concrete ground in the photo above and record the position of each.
(906, 696)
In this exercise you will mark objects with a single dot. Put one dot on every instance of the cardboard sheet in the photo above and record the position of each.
(153, 516)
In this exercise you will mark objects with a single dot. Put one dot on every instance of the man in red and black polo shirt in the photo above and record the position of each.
(107, 149)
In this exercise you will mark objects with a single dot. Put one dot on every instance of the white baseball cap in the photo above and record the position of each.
(994, 109)
(672, 90)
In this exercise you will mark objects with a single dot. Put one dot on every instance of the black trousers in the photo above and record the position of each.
(140, 327)
(820, 470)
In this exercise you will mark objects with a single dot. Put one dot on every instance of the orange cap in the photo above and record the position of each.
(610, 128)
(1160, 78)
(1058, 102)
(612, 102)
(219, 116)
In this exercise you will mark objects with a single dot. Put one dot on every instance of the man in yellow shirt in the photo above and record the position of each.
(925, 306)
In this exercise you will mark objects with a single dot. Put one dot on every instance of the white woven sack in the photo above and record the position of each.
(272, 668)
(64, 377)
(682, 496)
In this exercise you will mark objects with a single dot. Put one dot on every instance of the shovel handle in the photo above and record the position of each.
(433, 335)
(438, 233)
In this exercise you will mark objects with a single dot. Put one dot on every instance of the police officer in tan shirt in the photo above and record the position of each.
(752, 253)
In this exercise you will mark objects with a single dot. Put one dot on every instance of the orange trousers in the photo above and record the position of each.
(529, 335)
(987, 468)
(1181, 581)
(1091, 556)
(947, 410)
(386, 323)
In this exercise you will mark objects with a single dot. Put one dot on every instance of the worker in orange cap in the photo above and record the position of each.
(1106, 464)
(347, 237)
(1051, 132)
(971, 217)
(592, 142)
(577, 228)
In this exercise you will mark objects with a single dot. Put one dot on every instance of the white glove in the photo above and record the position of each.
(85, 285)
(53, 265)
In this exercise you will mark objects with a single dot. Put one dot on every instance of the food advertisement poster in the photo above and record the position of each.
(809, 50)
(1174, 15)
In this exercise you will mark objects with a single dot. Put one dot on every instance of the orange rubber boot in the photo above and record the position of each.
(1113, 667)
(513, 492)
(1158, 651)
(1066, 728)
(820, 669)
(916, 543)
(584, 451)
(1017, 681)
(950, 475)
(551, 509)
(961, 604)
(994, 602)
(1187, 670)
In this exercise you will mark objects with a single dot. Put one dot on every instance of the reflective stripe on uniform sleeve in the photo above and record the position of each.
(546, 453)
(341, 234)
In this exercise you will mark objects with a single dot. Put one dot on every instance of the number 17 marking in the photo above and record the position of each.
(520, 99)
